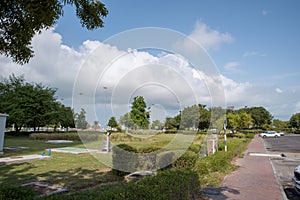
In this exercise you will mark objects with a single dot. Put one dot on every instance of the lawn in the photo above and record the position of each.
(68, 170)
(85, 171)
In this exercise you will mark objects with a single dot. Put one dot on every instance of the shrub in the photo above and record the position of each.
(186, 161)
(168, 184)
(211, 168)
(10, 192)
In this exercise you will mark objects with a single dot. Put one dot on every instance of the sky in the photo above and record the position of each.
(174, 54)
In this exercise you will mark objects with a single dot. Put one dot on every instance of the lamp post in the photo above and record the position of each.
(105, 88)
(107, 133)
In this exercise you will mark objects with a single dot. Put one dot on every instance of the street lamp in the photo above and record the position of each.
(105, 88)
(107, 133)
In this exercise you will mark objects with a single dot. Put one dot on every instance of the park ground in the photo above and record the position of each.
(83, 173)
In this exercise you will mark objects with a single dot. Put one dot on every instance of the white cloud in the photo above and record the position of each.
(166, 80)
(278, 90)
(254, 53)
(209, 38)
(232, 66)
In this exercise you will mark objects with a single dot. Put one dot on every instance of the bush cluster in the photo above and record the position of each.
(241, 135)
(21, 192)
(166, 185)
(220, 162)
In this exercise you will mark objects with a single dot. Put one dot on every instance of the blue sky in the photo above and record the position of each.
(254, 44)
(267, 31)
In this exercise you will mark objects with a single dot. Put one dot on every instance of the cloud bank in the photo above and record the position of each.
(167, 80)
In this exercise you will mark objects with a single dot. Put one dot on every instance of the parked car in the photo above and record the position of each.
(281, 133)
(296, 179)
(269, 134)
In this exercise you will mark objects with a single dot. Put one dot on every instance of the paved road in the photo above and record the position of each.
(288, 145)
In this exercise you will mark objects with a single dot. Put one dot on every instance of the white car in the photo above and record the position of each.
(269, 134)
(296, 179)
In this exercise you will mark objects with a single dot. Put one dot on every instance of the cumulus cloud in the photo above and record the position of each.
(167, 80)
(211, 39)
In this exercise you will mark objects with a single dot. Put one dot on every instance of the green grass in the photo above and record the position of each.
(213, 169)
(84, 171)
(68, 170)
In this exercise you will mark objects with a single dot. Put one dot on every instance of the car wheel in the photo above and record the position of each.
(264, 136)
(276, 136)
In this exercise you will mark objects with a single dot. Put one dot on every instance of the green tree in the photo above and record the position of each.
(112, 122)
(20, 20)
(259, 115)
(139, 115)
(232, 121)
(245, 120)
(190, 117)
(280, 124)
(295, 121)
(204, 118)
(31, 105)
(126, 121)
(96, 125)
(156, 124)
(172, 123)
(66, 117)
(80, 120)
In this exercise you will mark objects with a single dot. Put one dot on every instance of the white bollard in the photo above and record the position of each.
(2, 131)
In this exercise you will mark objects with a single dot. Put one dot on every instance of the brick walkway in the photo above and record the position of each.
(255, 179)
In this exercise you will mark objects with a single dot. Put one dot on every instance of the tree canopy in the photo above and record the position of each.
(32, 105)
(112, 122)
(295, 121)
(80, 119)
(20, 20)
(139, 115)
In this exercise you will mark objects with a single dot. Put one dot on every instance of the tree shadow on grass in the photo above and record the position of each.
(75, 179)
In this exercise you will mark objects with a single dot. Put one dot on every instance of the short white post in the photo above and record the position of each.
(2, 131)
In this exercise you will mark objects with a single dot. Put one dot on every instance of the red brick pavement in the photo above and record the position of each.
(255, 179)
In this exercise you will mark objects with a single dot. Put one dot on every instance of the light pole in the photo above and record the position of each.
(107, 133)
(105, 88)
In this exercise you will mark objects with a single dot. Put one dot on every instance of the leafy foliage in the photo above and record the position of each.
(295, 120)
(113, 122)
(168, 184)
(139, 115)
(32, 105)
(80, 119)
(21, 192)
(20, 20)
(127, 121)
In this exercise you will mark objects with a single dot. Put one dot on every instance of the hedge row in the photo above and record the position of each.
(65, 136)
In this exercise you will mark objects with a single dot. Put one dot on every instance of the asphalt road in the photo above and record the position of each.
(288, 143)
(289, 147)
